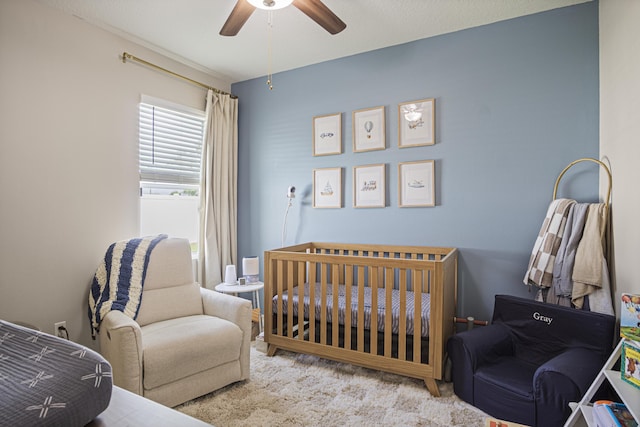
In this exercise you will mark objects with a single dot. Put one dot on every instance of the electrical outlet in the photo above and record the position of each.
(59, 325)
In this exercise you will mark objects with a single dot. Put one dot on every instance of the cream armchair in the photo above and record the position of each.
(186, 341)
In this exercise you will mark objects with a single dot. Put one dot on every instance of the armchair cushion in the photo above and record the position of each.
(508, 373)
(204, 341)
(170, 265)
(505, 386)
(169, 303)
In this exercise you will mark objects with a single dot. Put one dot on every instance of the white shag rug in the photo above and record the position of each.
(292, 389)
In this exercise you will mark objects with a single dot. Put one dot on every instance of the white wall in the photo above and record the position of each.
(68, 156)
(620, 131)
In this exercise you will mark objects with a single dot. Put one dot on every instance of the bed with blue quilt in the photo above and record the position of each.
(49, 381)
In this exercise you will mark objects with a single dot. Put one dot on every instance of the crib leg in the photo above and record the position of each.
(432, 386)
(271, 351)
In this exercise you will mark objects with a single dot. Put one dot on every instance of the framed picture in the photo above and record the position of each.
(368, 129)
(416, 184)
(327, 188)
(369, 186)
(327, 134)
(416, 123)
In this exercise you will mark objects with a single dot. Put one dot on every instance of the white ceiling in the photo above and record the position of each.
(187, 30)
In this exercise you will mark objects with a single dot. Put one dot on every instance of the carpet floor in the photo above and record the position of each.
(299, 390)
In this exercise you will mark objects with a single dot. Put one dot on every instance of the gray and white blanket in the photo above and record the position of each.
(566, 256)
(49, 381)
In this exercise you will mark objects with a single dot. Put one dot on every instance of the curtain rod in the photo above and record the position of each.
(126, 56)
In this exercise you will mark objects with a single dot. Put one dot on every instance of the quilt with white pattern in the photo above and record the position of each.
(49, 381)
(394, 310)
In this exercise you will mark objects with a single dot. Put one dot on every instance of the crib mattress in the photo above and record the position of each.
(381, 308)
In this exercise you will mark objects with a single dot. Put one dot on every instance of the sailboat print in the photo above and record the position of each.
(327, 191)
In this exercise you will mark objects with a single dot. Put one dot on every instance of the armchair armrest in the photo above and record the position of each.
(121, 344)
(235, 310)
(563, 379)
(470, 349)
(484, 343)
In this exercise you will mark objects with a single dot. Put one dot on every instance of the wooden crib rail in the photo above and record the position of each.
(369, 250)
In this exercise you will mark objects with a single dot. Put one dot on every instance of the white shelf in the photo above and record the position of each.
(630, 396)
(587, 414)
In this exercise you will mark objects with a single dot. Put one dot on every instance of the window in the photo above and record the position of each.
(170, 138)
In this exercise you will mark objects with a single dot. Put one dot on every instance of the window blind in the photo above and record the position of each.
(170, 145)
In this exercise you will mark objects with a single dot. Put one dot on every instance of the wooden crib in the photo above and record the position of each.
(319, 299)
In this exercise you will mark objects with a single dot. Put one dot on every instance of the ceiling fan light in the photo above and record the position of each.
(270, 4)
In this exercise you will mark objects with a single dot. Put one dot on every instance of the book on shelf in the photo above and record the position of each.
(612, 414)
(630, 363)
(630, 317)
(630, 331)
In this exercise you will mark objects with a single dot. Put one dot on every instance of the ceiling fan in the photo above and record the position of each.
(314, 9)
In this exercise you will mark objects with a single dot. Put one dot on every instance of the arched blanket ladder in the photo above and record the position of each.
(570, 257)
(607, 199)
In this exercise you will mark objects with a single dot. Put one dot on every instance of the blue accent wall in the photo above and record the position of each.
(516, 101)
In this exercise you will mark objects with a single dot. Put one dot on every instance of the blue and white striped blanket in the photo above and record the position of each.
(118, 282)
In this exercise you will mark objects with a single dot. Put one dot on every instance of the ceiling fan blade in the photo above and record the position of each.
(239, 15)
(320, 13)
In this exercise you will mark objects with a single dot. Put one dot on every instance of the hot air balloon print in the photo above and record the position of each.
(369, 129)
(368, 126)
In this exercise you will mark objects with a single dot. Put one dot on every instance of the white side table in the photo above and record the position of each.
(254, 288)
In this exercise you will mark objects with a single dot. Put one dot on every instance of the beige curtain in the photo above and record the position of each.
(218, 189)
